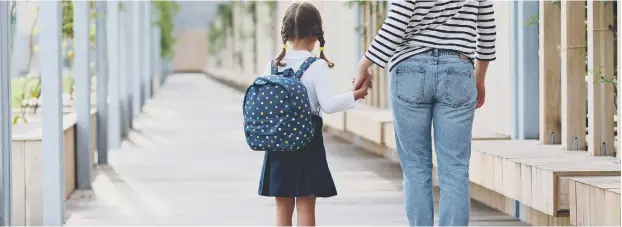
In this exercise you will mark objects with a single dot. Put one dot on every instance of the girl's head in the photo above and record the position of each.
(302, 25)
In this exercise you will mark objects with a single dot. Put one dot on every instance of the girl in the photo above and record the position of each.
(297, 178)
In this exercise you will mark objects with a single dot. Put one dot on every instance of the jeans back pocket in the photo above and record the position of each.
(460, 85)
(409, 83)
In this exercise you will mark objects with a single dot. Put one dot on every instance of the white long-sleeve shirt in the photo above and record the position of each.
(316, 81)
(413, 27)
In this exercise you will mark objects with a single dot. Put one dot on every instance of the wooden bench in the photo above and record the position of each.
(368, 123)
(536, 175)
(594, 201)
(335, 121)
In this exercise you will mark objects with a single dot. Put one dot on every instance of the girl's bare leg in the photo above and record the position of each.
(284, 211)
(305, 208)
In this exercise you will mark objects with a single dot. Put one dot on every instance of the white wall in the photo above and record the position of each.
(496, 115)
(341, 42)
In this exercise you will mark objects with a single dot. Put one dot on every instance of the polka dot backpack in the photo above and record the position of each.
(277, 112)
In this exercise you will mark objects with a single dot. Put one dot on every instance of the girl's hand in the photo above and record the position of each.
(363, 76)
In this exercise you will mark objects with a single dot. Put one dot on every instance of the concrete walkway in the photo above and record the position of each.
(187, 163)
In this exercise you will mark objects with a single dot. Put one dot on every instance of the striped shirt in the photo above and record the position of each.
(413, 27)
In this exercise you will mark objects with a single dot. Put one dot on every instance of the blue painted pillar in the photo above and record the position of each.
(136, 60)
(5, 114)
(113, 70)
(146, 28)
(525, 77)
(125, 73)
(82, 75)
(101, 51)
(51, 90)
(527, 71)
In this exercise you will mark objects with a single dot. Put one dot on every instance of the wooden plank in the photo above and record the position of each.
(497, 174)
(526, 182)
(600, 65)
(388, 135)
(368, 122)
(573, 47)
(619, 81)
(594, 201)
(572, 198)
(33, 163)
(612, 208)
(550, 70)
(336, 121)
(18, 183)
(604, 182)
(69, 156)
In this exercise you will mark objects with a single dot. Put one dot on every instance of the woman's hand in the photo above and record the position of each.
(364, 71)
(481, 95)
(480, 71)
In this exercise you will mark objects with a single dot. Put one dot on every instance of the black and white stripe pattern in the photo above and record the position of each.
(413, 27)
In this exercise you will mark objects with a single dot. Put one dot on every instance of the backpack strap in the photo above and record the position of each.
(305, 65)
(273, 68)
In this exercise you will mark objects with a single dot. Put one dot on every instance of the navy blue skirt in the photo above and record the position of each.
(298, 173)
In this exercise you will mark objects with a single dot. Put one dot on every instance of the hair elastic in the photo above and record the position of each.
(284, 46)
(321, 48)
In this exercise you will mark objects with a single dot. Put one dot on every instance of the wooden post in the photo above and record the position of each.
(600, 65)
(375, 95)
(369, 37)
(573, 99)
(619, 145)
(550, 71)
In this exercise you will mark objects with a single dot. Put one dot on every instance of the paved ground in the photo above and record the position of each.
(188, 164)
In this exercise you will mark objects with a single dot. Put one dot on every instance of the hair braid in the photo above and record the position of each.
(320, 38)
(284, 37)
(287, 32)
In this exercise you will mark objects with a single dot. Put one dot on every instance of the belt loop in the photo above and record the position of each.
(434, 52)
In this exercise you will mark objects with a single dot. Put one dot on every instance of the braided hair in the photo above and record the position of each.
(302, 20)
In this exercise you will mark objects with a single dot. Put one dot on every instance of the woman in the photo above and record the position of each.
(438, 54)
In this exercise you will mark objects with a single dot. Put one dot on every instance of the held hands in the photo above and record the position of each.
(362, 84)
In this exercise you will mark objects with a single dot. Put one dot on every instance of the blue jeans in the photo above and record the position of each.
(434, 89)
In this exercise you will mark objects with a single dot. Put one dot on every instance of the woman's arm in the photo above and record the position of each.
(389, 37)
(485, 52)
(391, 34)
(486, 31)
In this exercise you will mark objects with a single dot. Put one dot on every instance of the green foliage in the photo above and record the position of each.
(533, 19)
(271, 4)
(556, 2)
(225, 14)
(352, 3)
(218, 32)
(166, 11)
(598, 72)
(67, 19)
(214, 35)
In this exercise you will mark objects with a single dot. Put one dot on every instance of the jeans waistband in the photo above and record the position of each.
(441, 52)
